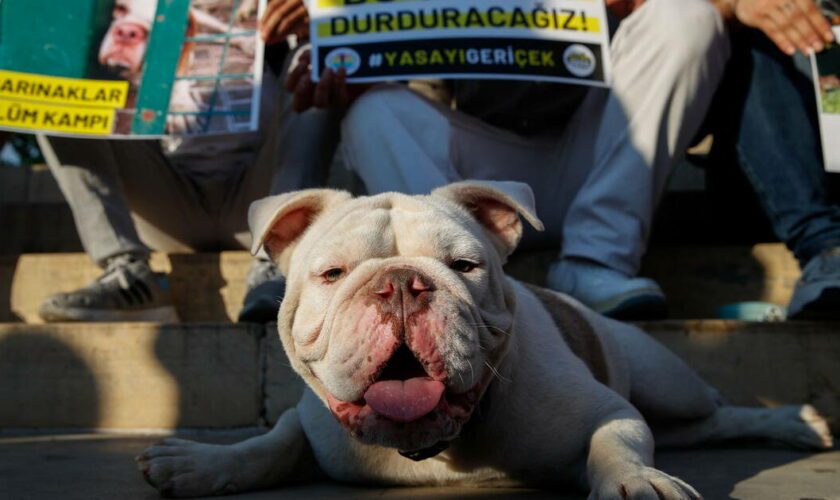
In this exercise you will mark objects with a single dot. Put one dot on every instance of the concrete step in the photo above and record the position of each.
(147, 376)
(210, 287)
(699, 279)
(205, 287)
(84, 467)
(30, 198)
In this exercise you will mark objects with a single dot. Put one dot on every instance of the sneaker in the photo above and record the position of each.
(817, 293)
(608, 291)
(266, 287)
(128, 291)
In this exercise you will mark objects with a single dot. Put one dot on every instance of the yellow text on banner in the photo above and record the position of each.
(52, 118)
(58, 90)
(450, 18)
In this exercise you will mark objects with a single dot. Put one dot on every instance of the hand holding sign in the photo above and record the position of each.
(331, 91)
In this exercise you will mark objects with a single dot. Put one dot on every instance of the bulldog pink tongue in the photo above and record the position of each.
(404, 400)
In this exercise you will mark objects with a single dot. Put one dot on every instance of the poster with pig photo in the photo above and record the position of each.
(130, 68)
(826, 72)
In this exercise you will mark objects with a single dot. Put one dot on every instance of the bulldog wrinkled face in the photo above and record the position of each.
(402, 315)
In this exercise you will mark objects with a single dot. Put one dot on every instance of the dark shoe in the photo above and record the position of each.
(608, 291)
(266, 287)
(128, 291)
(817, 293)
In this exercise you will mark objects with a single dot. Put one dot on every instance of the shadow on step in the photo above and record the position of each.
(8, 265)
(197, 282)
(45, 382)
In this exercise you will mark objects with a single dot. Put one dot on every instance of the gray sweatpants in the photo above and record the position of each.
(596, 183)
(127, 196)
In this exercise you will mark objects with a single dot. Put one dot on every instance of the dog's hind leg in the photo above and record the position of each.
(796, 426)
(684, 410)
(662, 386)
(657, 382)
(180, 468)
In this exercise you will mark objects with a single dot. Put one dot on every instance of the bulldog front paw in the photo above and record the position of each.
(644, 484)
(180, 468)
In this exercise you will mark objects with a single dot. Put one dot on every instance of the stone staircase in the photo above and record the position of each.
(209, 372)
(211, 287)
(79, 401)
(141, 376)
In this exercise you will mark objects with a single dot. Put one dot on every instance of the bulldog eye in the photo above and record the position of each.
(333, 274)
(463, 265)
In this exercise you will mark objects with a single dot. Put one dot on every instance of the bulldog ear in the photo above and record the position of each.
(278, 222)
(497, 206)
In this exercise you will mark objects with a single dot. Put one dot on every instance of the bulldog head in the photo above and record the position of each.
(397, 309)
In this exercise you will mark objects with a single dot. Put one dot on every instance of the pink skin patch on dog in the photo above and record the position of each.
(395, 359)
(422, 339)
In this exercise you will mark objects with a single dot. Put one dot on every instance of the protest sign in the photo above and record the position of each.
(376, 40)
(130, 68)
(826, 71)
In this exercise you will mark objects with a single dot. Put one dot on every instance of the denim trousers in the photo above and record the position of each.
(772, 119)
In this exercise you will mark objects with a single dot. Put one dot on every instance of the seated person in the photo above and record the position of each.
(181, 194)
(766, 116)
(597, 159)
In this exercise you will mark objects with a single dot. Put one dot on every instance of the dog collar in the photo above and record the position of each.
(423, 454)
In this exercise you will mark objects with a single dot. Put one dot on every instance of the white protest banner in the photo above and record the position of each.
(826, 71)
(376, 40)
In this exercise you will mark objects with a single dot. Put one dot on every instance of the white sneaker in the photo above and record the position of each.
(608, 291)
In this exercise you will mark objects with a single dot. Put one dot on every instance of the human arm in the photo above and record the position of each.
(791, 24)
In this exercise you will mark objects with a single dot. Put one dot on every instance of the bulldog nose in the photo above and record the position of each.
(410, 283)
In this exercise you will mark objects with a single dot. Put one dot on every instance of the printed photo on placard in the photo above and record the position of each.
(108, 68)
(826, 73)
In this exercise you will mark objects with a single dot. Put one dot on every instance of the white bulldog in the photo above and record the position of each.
(426, 365)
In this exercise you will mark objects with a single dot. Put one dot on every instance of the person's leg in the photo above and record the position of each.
(108, 184)
(296, 155)
(776, 138)
(778, 149)
(397, 141)
(89, 175)
(668, 59)
(296, 152)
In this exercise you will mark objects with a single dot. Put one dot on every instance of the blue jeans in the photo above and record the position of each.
(772, 121)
